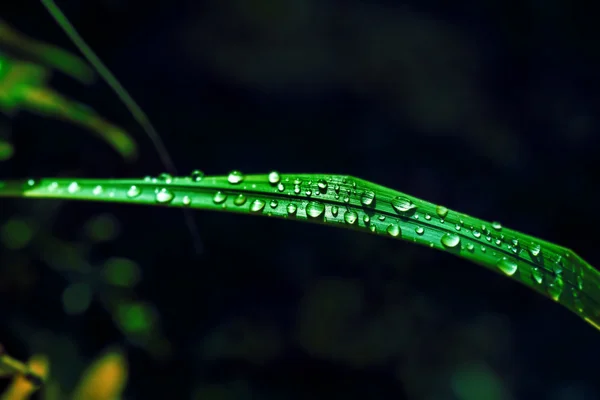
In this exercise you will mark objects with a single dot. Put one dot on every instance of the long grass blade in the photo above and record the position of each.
(348, 202)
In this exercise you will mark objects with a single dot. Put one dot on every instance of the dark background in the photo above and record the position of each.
(489, 107)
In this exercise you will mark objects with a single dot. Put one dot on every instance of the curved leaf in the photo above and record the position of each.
(349, 202)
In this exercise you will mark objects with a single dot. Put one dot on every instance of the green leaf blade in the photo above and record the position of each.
(352, 203)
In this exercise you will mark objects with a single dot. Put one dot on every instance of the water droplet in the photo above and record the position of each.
(239, 200)
(477, 234)
(31, 182)
(322, 185)
(381, 217)
(334, 211)
(336, 188)
(366, 219)
(219, 197)
(274, 177)
(308, 192)
(535, 249)
(457, 227)
(470, 247)
(427, 217)
(555, 288)
(280, 187)
(498, 242)
(53, 186)
(373, 228)
(580, 282)
(274, 203)
(497, 225)
(257, 205)
(537, 275)
(346, 199)
(297, 189)
(291, 209)
(186, 200)
(164, 196)
(165, 177)
(403, 205)
(73, 187)
(196, 175)
(367, 198)
(133, 192)
(450, 240)
(350, 217)
(441, 211)
(97, 190)
(507, 266)
(419, 230)
(235, 177)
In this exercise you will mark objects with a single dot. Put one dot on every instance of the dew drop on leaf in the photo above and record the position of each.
(450, 240)
(257, 205)
(235, 177)
(367, 198)
(507, 266)
(350, 217)
(73, 187)
(403, 205)
(274, 177)
(219, 197)
(497, 225)
(419, 230)
(441, 211)
(133, 192)
(164, 196)
(334, 211)
(314, 209)
(537, 275)
(186, 200)
(239, 200)
(393, 230)
(196, 175)
(322, 185)
(291, 209)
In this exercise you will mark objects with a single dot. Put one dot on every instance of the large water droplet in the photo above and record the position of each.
(403, 205)
(393, 230)
(497, 225)
(235, 177)
(314, 209)
(219, 197)
(367, 198)
(509, 267)
(350, 217)
(477, 234)
(239, 200)
(274, 177)
(164, 196)
(133, 192)
(257, 205)
(274, 203)
(450, 240)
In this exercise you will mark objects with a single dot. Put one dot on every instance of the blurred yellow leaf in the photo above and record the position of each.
(105, 379)
(22, 388)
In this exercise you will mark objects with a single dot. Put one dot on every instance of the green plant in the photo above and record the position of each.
(343, 201)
